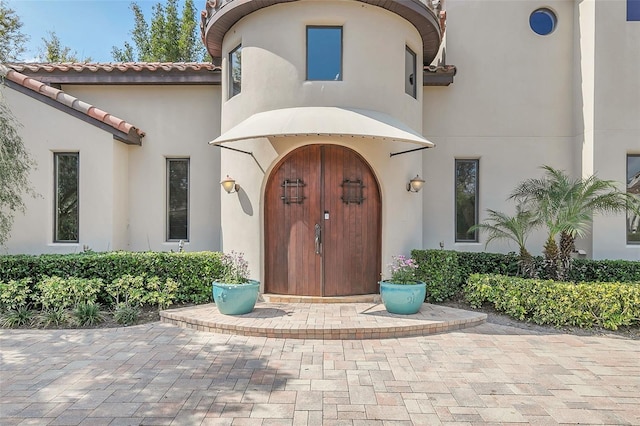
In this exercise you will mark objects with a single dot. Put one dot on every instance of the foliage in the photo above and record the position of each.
(126, 314)
(56, 317)
(56, 292)
(128, 290)
(161, 293)
(15, 164)
(16, 317)
(15, 294)
(566, 206)
(12, 40)
(501, 226)
(602, 304)
(171, 37)
(235, 268)
(403, 270)
(440, 270)
(193, 272)
(53, 51)
(87, 314)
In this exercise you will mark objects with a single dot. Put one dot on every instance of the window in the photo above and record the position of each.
(543, 21)
(235, 71)
(466, 199)
(633, 188)
(324, 53)
(410, 72)
(633, 10)
(66, 174)
(177, 199)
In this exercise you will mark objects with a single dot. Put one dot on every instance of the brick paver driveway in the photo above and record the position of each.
(160, 374)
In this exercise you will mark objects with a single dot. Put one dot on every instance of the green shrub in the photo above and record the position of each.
(161, 293)
(127, 289)
(602, 304)
(56, 317)
(87, 313)
(63, 293)
(193, 272)
(16, 317)
(126, 314)
(15, 294)
(440, 270)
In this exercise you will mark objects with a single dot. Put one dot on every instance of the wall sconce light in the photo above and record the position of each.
(415, 184)
(229, 184)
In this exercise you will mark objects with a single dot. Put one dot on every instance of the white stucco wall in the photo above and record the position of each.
(179, 121)
(616, 120)
(510, 106)
(44, 131)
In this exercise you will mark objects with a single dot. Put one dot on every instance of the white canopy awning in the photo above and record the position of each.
(322, 121)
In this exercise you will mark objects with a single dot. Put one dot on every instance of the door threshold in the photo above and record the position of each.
(287, 298)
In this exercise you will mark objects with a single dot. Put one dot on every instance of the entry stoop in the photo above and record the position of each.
(324, 321)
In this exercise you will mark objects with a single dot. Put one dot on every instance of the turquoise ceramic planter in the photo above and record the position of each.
(236, 299)
(404, 299)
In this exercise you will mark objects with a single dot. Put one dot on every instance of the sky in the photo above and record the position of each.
(89, 27)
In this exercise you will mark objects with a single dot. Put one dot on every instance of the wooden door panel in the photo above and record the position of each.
(291, 265)
(352, 242)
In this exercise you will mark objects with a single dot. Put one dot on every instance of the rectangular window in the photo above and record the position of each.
(633, 10)
(235, 71)
(633, 188)
(177, 199)
(324, 53)
(467, 172)
(66, 166)
(410, 72)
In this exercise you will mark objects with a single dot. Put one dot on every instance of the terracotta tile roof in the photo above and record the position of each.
(115, 66)
(127, 131)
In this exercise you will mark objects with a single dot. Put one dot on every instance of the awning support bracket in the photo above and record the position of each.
(393, 154)
(243, 152)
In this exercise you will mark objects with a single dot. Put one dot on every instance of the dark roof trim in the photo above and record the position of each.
(438, 76)
(131, 138)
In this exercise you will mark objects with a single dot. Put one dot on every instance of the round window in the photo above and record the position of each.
(543, 21)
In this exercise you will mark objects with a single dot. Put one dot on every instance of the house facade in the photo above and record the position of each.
(344, 132)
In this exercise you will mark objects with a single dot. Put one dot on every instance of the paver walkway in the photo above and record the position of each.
(161, 374)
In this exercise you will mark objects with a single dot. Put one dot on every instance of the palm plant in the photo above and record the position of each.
(501, 226)
(566, 206)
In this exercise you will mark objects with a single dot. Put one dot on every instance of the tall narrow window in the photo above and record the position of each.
(410, 72)
(235, 71)
(324, 53)
(66, 175)
(177, 199)
(633, 188)
(633, 10)
(466, 199)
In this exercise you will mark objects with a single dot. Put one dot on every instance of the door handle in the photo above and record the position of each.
(317, 240)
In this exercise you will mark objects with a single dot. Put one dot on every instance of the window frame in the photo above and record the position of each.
(230, 79)
(169, 161)
(414, 73)
(627, 233)
(334, 27)
(475, 161)
(56, 180)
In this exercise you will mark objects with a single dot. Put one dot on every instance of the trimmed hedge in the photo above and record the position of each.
(446, 271)
(193, 272)
(602, 304)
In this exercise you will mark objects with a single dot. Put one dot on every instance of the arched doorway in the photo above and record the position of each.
(322, 224)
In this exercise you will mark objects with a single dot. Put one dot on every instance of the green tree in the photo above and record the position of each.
(54, 51)
(501, 226)
(15, 164)
(169, 37)
(12, 40)
(566, 206)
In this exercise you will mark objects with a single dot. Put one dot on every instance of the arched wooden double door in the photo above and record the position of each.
(322, 224)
